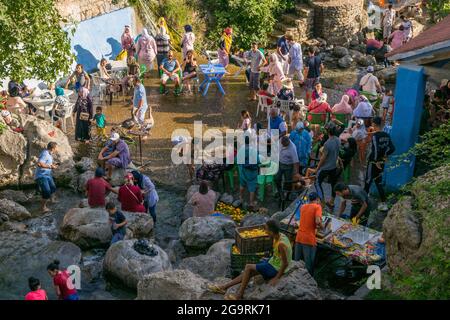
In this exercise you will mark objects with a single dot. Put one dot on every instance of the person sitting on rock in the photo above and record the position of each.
(11, 121)
(272, 269)
(130, 196)
(36, 292)
(203, 201)
(119, 158)
(97, 188)
(118, 222)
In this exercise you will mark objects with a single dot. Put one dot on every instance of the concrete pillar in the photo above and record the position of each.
(409, 96)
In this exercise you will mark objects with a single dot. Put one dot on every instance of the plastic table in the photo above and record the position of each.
(213, 73)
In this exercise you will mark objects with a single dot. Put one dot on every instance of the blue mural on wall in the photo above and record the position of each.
(99, 37)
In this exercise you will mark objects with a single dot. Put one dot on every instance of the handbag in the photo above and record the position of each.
(84, 116)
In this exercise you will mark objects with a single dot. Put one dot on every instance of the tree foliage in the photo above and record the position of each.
(32, 41)
(438, 9)
(251, 20)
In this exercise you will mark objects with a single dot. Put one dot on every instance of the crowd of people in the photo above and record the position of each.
(318, 142)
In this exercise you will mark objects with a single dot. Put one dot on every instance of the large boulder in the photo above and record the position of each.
(214, 264)
(83, 179)
(345, 62)
(85, 164)
(176, 251)
(90, 228)
(416, 232)
(340, 52)
(16, 196)
(172, 285)
(38, 134)
(23, 255)
(13, 210)
(296, 284)
(127, 265)
(202, 232)
(13, 154)
(366, 60)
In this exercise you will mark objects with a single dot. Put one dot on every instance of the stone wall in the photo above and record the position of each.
(336, 20)
(79, 10)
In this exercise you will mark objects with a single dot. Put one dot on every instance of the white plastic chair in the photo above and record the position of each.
(100, 86)
(68, 115)
(263, 104)
(284, 106)
(213, 56)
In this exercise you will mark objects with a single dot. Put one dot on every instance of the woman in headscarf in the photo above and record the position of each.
(128, 42)
(148, 190)
(343, 107)
(84, 114)
(163, 24)
(146, 49)
(276, 74)
(187, 42)
(162, 43)
(225, 46)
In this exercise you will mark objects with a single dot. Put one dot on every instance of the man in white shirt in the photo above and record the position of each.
(388, 22)
(369, 83)
(295, 59)
(257, 60)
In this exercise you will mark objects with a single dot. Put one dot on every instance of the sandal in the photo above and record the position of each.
(216, 289)
(230, 297)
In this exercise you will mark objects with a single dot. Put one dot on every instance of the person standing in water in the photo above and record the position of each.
(64, 288)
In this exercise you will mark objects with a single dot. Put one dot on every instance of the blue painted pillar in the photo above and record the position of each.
(409, 96)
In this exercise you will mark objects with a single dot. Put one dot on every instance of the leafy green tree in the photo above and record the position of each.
(33, 43)
(251, 20)
(438, 9)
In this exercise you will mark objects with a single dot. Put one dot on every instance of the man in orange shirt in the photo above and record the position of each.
(305, 242)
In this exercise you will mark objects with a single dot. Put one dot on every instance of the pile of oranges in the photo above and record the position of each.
(235, 250)
(236, 214)
(254, 233)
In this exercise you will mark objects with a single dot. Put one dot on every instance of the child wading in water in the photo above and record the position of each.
(100, 121)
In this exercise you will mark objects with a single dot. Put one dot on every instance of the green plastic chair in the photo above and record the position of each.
(267, 178)
(142, 71)
(180, 87)
(317, 118)
(343, 118)
(346, 175)
(229, 174)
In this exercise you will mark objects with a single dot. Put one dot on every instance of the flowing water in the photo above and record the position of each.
(93, 284)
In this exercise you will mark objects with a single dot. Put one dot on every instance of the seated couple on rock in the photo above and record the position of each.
(272, 269)
(115, 154)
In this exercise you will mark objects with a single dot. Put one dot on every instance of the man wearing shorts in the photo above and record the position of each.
(314, 68)
(170, 67)
(272, 269)
(43, 175)
(295, 59)
(257, 60)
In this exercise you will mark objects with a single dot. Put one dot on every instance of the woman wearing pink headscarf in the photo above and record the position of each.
(343, 107)
(276, 74)
(128, 42)
(84, 114)
(146, 49)
(397, 38)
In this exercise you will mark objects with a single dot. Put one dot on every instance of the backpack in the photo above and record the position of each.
(143, 247)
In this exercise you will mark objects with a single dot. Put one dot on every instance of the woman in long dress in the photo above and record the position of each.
(146, 49)
(83, 114)
(128, 42)
(187, 42)
(225, 47)
(276, 74)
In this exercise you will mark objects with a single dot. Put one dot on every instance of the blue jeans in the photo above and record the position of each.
(117, 237)
(306, 253)
(73, 297)
(151, 210)
(46, 186)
